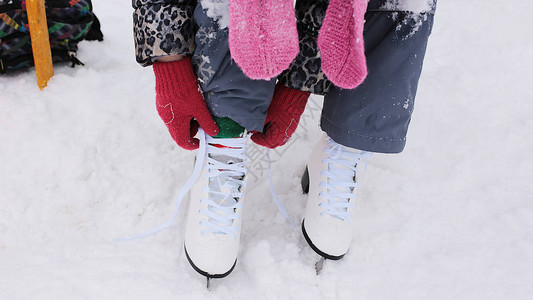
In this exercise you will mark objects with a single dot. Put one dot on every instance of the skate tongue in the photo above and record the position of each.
(223, 190)
(222, 185)
(226, 158)
(228, 129)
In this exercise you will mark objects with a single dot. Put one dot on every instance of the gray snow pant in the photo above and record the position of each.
(227, 90)
(373, 117)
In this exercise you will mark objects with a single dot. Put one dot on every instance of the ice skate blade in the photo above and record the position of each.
(319, 265)
(305, 181)
(208, 284)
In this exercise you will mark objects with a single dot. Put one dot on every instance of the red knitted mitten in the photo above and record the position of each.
(180, 103)
(282, 117)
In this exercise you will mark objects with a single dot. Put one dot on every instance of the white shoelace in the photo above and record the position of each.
(281, 209)
(217, 211)
(226, 162)
(343, 165)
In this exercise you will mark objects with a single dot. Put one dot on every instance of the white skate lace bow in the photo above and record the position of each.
(225, 184)
(343, 165)
(220, 216)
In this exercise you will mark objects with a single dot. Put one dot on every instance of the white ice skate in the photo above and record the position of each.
(215, 211)
(331, 181)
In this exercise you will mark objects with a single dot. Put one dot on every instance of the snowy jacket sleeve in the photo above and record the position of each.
(163, 27)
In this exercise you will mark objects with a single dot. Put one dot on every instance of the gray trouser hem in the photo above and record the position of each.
(352, 139)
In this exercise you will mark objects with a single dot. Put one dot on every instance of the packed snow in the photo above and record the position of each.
(88, 160)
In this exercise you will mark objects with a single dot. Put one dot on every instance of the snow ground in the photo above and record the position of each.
(88, 160)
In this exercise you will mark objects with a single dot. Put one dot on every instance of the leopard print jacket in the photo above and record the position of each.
(163, 27)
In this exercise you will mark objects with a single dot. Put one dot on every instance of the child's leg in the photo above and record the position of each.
(371, 118)
(227, 90)
(212, 234)
(375, 116)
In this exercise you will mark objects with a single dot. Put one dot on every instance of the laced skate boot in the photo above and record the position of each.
(331, 181)
(213, 227)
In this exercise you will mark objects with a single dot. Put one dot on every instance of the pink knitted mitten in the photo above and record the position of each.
(263, 38)
(341, 44)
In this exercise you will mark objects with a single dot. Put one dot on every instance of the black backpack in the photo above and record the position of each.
(69, 22)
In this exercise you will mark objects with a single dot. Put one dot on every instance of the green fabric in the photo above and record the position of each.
(228, 128)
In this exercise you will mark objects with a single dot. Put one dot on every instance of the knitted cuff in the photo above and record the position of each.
(176, 77)
(289, 100)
